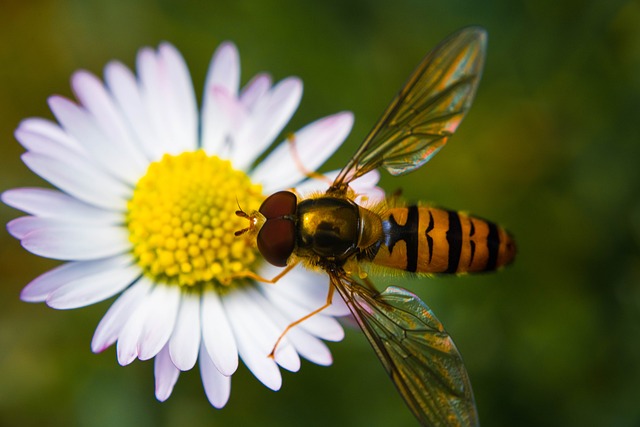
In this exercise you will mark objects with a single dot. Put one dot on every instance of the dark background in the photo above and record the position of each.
(551, 150)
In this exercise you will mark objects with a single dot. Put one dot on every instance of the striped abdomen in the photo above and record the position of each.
(431, 240)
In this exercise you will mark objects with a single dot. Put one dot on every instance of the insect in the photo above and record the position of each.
(332, 233)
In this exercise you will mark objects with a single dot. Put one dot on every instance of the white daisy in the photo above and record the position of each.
(144, 209)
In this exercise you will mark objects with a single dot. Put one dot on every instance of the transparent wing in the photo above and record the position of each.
(416, 351)
(426, 112)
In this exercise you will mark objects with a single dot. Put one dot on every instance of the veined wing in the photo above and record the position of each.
(416, 351)
(426, 112)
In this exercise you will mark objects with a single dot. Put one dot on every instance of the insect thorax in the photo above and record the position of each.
(334, 229)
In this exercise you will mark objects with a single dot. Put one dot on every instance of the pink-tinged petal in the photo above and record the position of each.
(103, 109)
(185, 340)
(39, 288)
(47, 203)
(304, 288)
(255, 89)
(47, 131)
(97, 287)
(224, 72)
(314, 144)
(368, 193)
(269, 116)
(119, 314)
(24, 225)
(180, 98)
(110, 155)
(166, 374)
(77, 243)
(225, 68)
(73, 175)
(250, 341)
(160, 320)
(217, 387)
(217, 335)
(127, 95)
(233, 111)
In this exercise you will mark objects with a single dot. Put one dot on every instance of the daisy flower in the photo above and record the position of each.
(147, 189)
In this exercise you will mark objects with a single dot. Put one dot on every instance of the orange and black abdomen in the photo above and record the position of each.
(430, 240)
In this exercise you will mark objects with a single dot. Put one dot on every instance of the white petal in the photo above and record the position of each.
(127, 95)
(309, 347)
(97, 287)
(156, 90)
(166, 374)
(160, 320)
(110, 155)
(250, 342)
(127, 348)
(224, 72)
(271, 113)
(255, 89)
(185, 340)
(118, 315)
(73, 175)
(304, 288)
(39, 288)
(47, 131)
(269, 328)
(320, 325)
(71, 170)
(106, 115)
(180, 98)
(168, 97)
(217, 387)
(314, 144)
(77, 243)
(47, 203)
(217, 335)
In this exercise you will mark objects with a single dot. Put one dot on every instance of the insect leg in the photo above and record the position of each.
(303, 318)
(248, 274)
(291, 139)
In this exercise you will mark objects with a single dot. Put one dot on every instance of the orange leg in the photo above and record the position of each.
(248, 274)
(291, 138)
(302, 319)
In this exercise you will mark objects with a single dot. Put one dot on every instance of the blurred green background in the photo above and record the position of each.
(551, 150)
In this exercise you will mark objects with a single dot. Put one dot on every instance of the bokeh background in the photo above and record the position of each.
(551, 150)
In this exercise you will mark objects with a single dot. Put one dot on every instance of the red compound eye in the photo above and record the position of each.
(279, 204)
(276, 240)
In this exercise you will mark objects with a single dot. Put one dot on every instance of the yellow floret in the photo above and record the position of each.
(181, 220)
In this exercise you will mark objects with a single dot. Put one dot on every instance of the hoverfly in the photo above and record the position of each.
(332, 233)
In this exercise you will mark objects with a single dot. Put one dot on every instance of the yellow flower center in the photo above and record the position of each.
(181, 220)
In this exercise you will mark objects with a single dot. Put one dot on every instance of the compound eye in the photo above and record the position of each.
(279, 204)
(276, 240)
